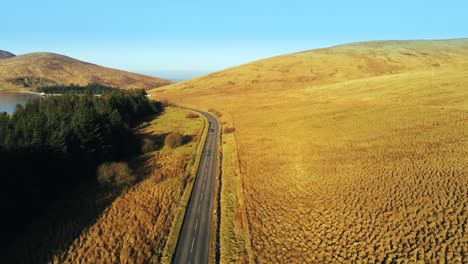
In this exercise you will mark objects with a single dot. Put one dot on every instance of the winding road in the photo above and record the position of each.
(194, 240)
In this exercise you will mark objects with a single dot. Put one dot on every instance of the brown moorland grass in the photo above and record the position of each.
(136, 226)
(33, 70)
(348, 154)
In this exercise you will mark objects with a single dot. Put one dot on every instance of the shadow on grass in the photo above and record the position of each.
(61, 223)
(64, 221)
(37, 235)
(156, 140)
(188, 139)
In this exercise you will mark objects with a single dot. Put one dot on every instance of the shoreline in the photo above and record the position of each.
(18, 91)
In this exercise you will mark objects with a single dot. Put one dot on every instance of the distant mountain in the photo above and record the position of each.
(6, 54)
(34, 70)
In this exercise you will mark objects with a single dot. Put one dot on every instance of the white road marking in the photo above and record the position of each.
(196, 225)
(193, 241)
(201, 196)
(203, 185)
(199, 206)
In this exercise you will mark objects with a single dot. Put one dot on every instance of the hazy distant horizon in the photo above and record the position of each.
(175, 75)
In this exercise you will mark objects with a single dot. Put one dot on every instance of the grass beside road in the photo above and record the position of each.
(171, 244)
(235, 238)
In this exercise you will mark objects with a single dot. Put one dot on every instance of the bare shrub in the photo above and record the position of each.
(215, 112)
(157, 176)
(228, 130)
(174, 139)
(192, 115)
(115, 174)
(148, 145)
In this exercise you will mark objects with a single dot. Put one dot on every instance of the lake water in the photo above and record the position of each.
(9, 100)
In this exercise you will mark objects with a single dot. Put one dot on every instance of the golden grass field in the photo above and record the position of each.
(42, 69)
(355, 153)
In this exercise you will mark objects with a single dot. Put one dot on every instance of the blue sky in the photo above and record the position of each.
(194, 37)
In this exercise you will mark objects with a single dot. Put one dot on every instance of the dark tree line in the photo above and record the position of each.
(51, 145)
(75, 126)
(92, 88)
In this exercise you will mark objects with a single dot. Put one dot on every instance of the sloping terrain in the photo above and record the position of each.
(34, 70)
(352, 153)
(6, 54)
(333, 65)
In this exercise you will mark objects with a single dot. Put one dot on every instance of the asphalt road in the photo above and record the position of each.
(194, 239)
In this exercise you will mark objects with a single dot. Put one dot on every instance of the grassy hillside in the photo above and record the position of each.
(355, 152)
(34, 70)
(332, 65)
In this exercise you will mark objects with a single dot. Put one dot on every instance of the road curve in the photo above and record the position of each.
(194, 239)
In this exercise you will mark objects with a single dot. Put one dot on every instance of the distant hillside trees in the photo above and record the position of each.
(92, 88)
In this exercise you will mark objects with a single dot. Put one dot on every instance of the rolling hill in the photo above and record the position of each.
(354, 153)
(333, 65)
(34, 70)
(6, 54)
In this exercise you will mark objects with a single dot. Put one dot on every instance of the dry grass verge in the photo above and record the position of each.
(235, 238)
(171, 244)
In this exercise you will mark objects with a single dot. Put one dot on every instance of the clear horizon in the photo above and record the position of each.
(186, 39)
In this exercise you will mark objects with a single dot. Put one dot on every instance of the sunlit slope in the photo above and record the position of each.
(336, 64)
(33, 70)
(365, 164)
